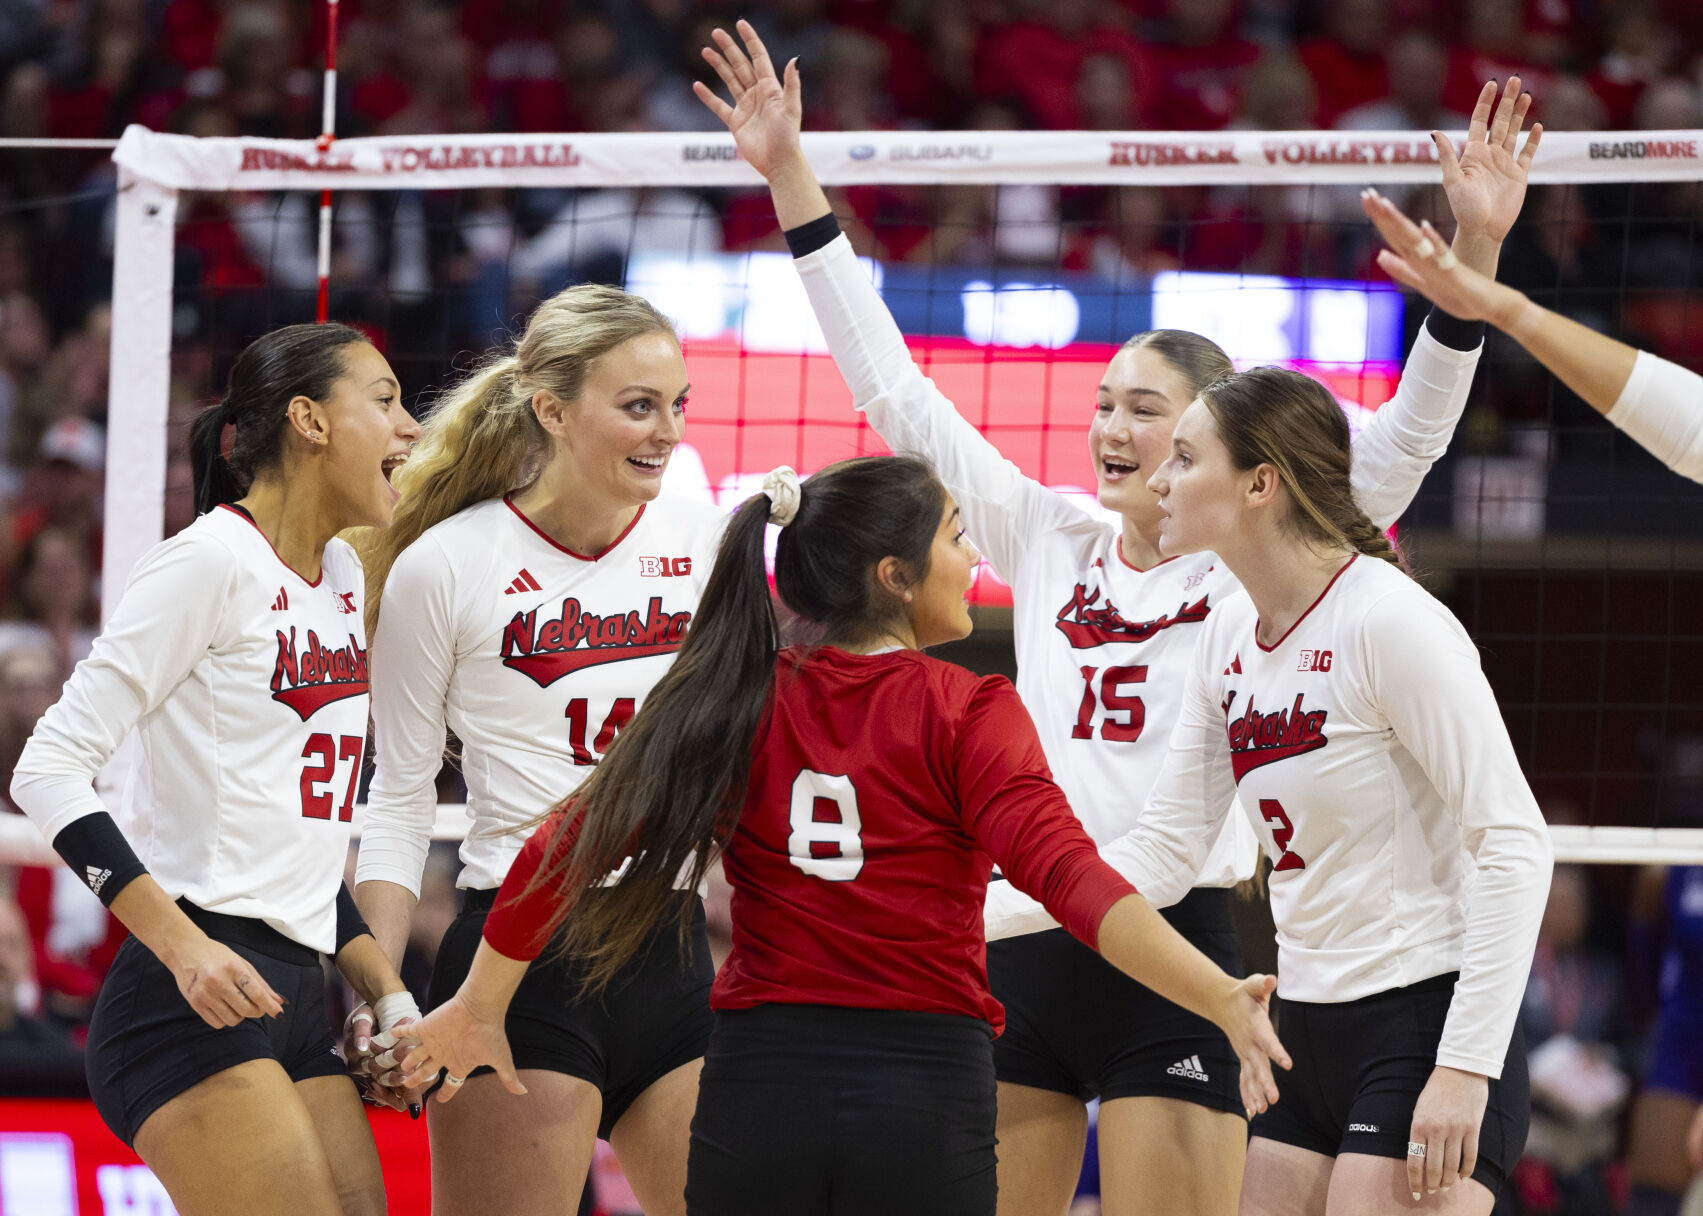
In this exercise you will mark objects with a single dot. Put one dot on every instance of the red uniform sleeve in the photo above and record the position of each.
(1015, 811)
(516, 925)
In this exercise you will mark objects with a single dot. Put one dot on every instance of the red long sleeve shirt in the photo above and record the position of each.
(882, 790)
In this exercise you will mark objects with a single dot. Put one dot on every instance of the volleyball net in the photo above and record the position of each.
(1015, 263)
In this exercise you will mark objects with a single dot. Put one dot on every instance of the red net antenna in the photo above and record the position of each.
(328, 132)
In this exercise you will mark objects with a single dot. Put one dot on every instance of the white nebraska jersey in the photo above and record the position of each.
(533, 655)
(1103, 649)
(247, 687)
(1661, 407)
(1368, 753)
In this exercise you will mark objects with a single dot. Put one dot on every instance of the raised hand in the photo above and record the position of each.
(1486, 182)
(1418, 257)
(766, 114)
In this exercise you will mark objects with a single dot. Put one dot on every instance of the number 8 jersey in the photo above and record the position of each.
(247, 688)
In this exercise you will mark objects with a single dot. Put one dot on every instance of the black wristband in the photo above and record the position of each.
(1453, 332)
(98, 854)
(811, 236)
(350, 925)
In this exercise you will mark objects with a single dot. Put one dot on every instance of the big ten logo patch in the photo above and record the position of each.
(1314, 660)
(665, 567)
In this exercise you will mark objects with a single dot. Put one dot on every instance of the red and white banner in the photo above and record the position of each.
(1149, 158)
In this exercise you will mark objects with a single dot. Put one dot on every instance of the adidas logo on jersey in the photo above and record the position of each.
(282, 602)
(96, 878)
(1190, 1068)
(523, 582)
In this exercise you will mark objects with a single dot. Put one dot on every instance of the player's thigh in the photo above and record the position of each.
(519, 1154)
(335, 1107)
(651, 1140)
(241, 1140)
(1655, 1154)
(1042, 1135)
(1167, 1157)
(1365, 1185)
(1281, 1179)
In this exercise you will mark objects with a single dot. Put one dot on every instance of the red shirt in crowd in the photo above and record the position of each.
(882, 789)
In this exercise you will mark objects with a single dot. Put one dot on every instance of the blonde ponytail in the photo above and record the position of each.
(482, 439)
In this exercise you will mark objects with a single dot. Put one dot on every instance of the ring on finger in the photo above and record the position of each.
(1415, 1148)
(452, 1081)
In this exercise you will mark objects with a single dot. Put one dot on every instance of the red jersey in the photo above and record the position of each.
(882, 789)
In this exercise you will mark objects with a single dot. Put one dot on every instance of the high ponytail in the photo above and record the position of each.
(669, 791)
(295, 361)
(481, 439)
(1271, 415)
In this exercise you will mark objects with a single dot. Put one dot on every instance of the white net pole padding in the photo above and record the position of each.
(22, 844)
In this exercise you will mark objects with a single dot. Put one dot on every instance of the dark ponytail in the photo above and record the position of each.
(296, 361)
(1271, 415)
(669, 791)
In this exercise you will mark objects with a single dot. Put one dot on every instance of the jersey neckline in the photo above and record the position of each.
(248, 519)
(508, 501)
(1118, 548)
(1304, 615)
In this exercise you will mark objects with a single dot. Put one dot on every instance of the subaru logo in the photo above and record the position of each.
(861, 152)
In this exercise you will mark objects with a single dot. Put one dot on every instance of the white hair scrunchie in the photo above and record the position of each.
(781, 485)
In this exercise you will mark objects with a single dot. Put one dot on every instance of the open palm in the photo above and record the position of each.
(766, 114)
(1486, 183)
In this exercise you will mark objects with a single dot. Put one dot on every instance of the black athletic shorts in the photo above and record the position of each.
(147, 1045)
(813, 1110)
(1360, 1066)
(653, 1017)
(1077, 1025)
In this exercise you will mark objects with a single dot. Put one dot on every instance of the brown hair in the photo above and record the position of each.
(669, 791)
(481, 439)
(1271, 415)
(1198, 360)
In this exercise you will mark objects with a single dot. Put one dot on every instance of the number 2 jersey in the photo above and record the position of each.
(1369, 755)
(882, 789)
(534, 655)
(1103, 648)
(247, 688)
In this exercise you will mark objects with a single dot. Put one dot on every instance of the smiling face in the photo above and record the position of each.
(1140, 398)
(937, 611)
(618, 434)
(366, 436)
(1200, 494)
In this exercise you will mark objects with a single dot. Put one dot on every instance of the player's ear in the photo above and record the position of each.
(893, 576)
(305, 420)
(551, 411)
(1262, 484)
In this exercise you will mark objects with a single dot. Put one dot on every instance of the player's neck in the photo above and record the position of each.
(1284, 577)
(291, 519)
(579, 521)
(1139, 543)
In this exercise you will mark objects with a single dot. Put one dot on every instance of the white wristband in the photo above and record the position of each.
(393, 1008)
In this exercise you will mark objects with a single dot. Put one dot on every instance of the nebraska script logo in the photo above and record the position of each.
(312, 677)
(574, 639)
(1087, 626)
(1264, 738)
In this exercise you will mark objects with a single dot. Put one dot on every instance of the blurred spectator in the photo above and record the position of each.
(1641, 50)
(62, 488)
(1346, 62)
(1668, 919)
(1035, 61)
(1496, 47)
(1577, 1026)
(1419, 66)
(74, 940)
(1201, 65)
(36, 1059)
(25, 345)
(30, 678)
(53, 598)
(72, 385)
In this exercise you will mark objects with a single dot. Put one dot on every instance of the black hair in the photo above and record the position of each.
(295, 361)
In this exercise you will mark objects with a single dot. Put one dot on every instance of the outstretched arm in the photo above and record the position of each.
(1656, 402)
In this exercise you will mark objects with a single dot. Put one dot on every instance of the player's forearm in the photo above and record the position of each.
(388, 910)
(363, 963)
(1593, 365)
(1136, 940)
(491, 983)
(1478, 251)
(797, 196)
(155, 920)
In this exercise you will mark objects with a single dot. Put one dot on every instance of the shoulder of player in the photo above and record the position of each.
(1389, 606)
(688, 521)
(465, 543)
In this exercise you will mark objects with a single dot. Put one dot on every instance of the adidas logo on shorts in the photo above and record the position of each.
(1364, 1127)
(1190, 1068)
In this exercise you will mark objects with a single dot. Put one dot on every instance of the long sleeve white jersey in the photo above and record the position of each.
(1102, 647)
(247, 687)
(1369, 755)
(533, 655)
(1662, 408)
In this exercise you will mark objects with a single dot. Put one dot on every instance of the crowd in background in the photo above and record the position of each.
(433, 274)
